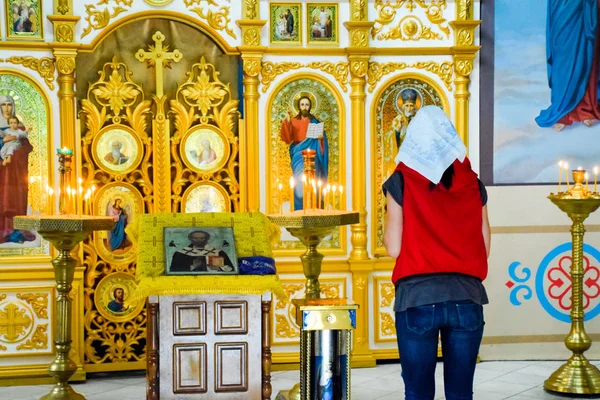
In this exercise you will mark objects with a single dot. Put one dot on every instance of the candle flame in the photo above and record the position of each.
(334, 188)
(304, 178)
(596, 170)
(579, 168)
(280, 186)
(320, 183)
(561, 163)
(32, 180)
(93, 188)
(292, 182)
(341, 189)
(567, 165)
(80, 181)
(50, 191)
(586, 175)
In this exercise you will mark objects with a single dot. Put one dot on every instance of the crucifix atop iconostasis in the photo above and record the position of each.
(159, 57)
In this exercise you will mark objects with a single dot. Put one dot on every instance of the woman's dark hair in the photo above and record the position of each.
(446, 178)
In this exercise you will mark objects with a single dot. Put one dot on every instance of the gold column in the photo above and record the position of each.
(252, 53)
(463, 54)
(360, 264)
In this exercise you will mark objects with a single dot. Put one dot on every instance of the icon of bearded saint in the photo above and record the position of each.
(115, 157)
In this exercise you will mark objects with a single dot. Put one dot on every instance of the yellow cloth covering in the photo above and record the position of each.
(253, 234)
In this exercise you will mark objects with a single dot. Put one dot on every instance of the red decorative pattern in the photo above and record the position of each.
(560, 282)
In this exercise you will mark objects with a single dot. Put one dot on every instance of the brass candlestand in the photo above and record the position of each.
(320, 320)
(64, 232)
(577, 375)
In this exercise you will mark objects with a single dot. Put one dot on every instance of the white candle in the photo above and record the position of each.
(567, 174)
(341, 189)
(560, 168)
(292, 185)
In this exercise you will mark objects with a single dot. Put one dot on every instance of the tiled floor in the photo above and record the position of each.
(493, 381)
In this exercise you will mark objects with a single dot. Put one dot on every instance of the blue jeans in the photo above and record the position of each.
(460, 324)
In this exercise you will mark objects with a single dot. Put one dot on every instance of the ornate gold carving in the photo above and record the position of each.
(218, 19)
(359, 10)
(361, 283)
(465, 37)
(159, 57)
(65, 64)
(115, 93)
(251, 67)
(464, 67)
(443, 70)
(359, 39)
(204, 93)
(39, 302)
(2, 297)
(251, 9)
(14, 322)
(289, 290)
(283, 329)
(63, 7)
(251, 37)
(99, 18)
(410, 27)
(271, 70)
(338, 70)
(388, 327)
(378, 71)
(464, 9)
(359, 68)
(388, 292)
(2, 348)
(64, 33)
(39, 339)
(44, 66)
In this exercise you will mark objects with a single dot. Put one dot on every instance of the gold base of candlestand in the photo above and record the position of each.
(64, 232)
(577, 376)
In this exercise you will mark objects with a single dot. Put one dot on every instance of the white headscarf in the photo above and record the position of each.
(6, 99)
(431, 144)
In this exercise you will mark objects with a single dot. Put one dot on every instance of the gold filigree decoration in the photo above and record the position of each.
(203, 93)
(99, 18)
(251, 67)
(410, 27)
(359, 39)
(283, 329)
(377, 71)
(251, 37)
(388, 291)
(118, 92)
(3, 348)
(464, 7)
(271, 70)
(388, 327)
(289, 290)
(39, 339)
(465, 37)
(39, 302)
(14, 322)
(359, 68)
(359, 10)
(2, 297)
(63, 7)
(251, 9)
(464, 67)
(218, 19)
(361, 283)
(44, 66)
(64, 33)
(65, 64)
(338, 70)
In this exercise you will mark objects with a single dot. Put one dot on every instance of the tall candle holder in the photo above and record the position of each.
(64, 231)
(577, 375)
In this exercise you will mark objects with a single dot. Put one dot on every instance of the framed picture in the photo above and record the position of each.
(285, 27)
(111, 297)
(205, 149)
(200, 251)
(24, 19)
(322, 23)
(117, 149)
(205, 197)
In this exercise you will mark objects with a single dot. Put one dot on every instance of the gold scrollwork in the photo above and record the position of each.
(359, 39)
(65, 64)
(44, 66)
(251, 37)
(338, 70)
(63, 7)
(64, 33)
(289, 290)
(2, 297)
(464, 67)
(283, 329)
(271, 70)
(377, 71)
(388, 327)
(464, 9)
(218, 19)
(99, 18)
(39, 302)
(410, 27)
(39, 339)
(359, 68)
(251, 9)
(359, 10)
(465, 37)
(251, 67)
(388, 291)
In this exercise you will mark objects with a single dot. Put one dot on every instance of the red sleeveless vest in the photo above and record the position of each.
(441, 228)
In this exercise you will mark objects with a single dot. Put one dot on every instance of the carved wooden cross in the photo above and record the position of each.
(159, 58)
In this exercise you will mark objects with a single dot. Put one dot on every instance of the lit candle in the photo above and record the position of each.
(567, 174)
(291, 194)
(560, 168)
(304, 192)
(49, 193)
(315, 206)
(279, 187)
(579, 168)
(320, 193)
(587, 182)
(595, 179)
(328, 195)
(80, 199)
(86, 200)
(325, 197)
(341, 189)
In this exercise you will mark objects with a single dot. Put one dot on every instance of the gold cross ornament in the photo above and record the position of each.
(159, 57)
(13, 322)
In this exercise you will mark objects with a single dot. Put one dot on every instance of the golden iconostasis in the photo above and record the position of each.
(178, 107)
